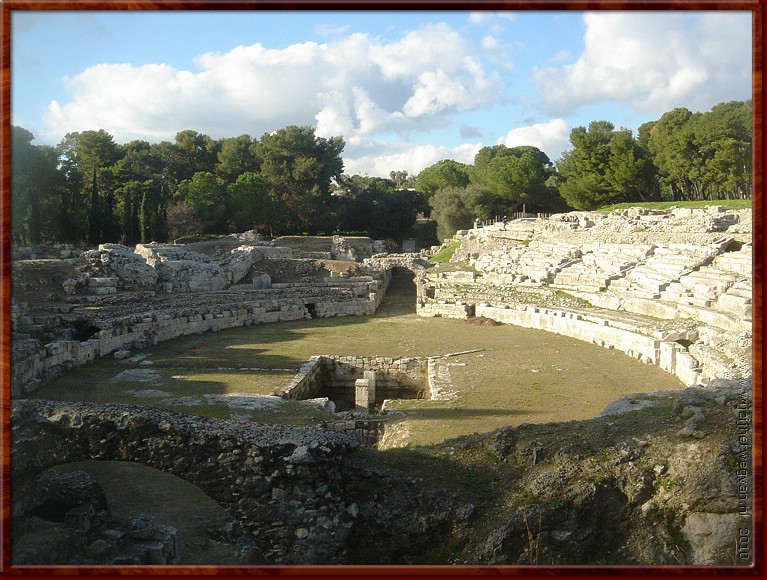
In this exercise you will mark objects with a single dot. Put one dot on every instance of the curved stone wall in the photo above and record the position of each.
(166, 317)
(705, 282)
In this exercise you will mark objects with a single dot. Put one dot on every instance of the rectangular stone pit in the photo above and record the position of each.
(354, 383)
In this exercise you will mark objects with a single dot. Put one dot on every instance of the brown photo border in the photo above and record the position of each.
(756, 7)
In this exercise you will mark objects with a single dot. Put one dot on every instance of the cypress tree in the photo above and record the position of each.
(94, 213)
(127, 234)
(145, 219)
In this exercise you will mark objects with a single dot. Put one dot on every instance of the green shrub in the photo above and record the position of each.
(193, 239)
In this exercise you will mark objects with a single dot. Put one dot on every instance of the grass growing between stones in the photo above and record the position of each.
(445, 254)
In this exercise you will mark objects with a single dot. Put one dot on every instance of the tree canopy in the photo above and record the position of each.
(701, 156)
(445, 173)
(91, 189)
(605, 166)
(502, 180)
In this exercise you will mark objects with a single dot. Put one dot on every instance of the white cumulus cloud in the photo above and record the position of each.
(654, 60)
(552, 137)
(410, 158)
(354, 85)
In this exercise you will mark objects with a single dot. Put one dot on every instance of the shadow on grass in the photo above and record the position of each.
(469, 477)
(462, 414)
(201, 349)
(397, 305)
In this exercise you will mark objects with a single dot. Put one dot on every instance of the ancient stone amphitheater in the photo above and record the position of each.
(669, 288)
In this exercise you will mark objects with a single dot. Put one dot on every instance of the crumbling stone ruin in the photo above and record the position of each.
(66, 313)
(305, 496)
(670, 288)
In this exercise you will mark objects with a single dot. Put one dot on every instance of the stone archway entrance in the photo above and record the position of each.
(401, 292)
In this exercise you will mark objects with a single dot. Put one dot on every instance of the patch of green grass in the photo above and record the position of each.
(445, 254)
(732, 204)
(194, 239)
(579, 302)
(461, 266)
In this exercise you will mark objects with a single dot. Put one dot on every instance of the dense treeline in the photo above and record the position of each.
(89, 189)
(501, 181)
(683, 156)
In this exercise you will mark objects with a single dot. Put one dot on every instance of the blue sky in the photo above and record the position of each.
(404, 88)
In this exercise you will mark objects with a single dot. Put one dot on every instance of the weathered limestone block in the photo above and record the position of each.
(445, 310)
(186, 270)
(363, 395)
(262, 281)
(240, 261)
(353, 249)
(128, 266)
(102, 286)
(70, 285)
(651, 308)
(276, 252)
(711, 536)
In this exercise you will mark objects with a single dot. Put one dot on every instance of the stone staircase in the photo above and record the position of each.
(723, 285)
(535, 264)
(666, 264)
(599, 264)
(737, 300)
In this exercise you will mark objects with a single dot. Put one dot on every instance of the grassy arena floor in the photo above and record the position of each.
(518, 376)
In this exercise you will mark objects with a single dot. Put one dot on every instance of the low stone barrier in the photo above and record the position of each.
(670, 356)
(366, 431)
(307, 383)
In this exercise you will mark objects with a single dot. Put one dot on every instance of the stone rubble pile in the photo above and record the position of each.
(181, 269)
(282, 483)
(115, 261)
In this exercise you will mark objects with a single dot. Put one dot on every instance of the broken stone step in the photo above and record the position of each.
(102, 282)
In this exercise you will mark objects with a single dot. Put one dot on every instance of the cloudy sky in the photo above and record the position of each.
(405, 89)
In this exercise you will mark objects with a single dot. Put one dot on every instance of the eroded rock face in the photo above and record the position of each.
(710, 536)
(240, 262)
(127, 265)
